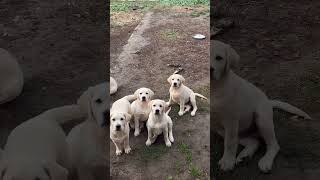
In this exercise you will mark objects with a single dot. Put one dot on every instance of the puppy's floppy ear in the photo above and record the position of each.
(128, 116)
(83, 100)
(55, 171)
(136, 93)
(169, 79)
(232, 57)
(150, 104)
(182, 79)
(151, 93)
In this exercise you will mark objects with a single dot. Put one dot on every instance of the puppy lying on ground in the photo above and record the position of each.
(239, 106)
(11, 77)
(159, 122)
(87, 141)
(181, 94)
(37, 148)
(113, 86)
(120, 116)
(140, 108)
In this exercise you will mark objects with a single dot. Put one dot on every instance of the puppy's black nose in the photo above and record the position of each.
(157, 111)
(118, 127)
(175, 84)
(143, 98)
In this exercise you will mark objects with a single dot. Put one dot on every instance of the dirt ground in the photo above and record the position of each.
(164, 37)
(60, 50)
(278, 41)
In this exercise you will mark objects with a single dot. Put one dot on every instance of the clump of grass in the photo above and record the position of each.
(185, 150)
(170, 34)
(195, 171)
(184, 2)
(152, 152)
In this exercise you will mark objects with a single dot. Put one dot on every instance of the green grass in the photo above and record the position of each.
(152, 152)
(195, 171)
(186, 151)
(170, 34)
(116, 6)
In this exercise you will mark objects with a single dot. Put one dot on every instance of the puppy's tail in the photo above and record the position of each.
(131, 97)
(200, 95)
(289, 108)
(64, 114)
(167, 113)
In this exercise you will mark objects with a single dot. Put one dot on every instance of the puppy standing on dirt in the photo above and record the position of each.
(120, 116)
(37, 148)
(181, 94)
(238, 106)
(11, 77)
(87, 141)
(140, 108)
(159, 122)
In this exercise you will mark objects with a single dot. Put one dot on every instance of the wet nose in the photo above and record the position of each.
(175, 84)
(157, 111)
(118, 127)
(143, 98)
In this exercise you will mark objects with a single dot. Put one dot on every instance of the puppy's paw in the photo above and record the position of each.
(118, 152)
(148, 143)
(193, 113)
(136, 133)
(265, 164)
(171, 139)
(227, 163)
(127, 150)
(168, 144)
(180, 113)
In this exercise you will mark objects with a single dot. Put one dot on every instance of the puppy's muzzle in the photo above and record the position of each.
(118, 127)
(144, 98)
(157, 111)
(175, 84)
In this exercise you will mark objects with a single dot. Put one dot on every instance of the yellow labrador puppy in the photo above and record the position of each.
(159, 122)
(11, 77)
(239, 106)
(37, 149)
(113, 86)
(140, 108)
(87, 141)
(181, 94)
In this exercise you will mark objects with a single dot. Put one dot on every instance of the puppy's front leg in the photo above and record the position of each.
(118, 148)
(136, 125)
(127, 148)
(166, 137)
(148, 143)
(170, 101)
(182, 104)
(228, 159)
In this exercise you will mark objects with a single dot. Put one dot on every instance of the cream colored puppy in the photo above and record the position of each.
(181, 94)
(159, 122)
(120, 116)
(113, 86)
(140, 108)
(87, 141)
(37, 148)
(238, 107)
(11, 77)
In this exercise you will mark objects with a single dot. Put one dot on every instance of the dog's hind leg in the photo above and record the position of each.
(264, 121)
(194, 105)
(136, 125)
(250, 144)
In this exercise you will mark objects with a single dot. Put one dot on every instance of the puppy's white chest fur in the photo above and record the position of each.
(175, 95)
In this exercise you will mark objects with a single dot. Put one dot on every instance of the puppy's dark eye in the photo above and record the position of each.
(113, 119)
(121, 119)
(147, 93)
(154, 105)
(140, 93)
(218, 58)
(172, 79)
(161, 106)
(178, 79)
(98, 101)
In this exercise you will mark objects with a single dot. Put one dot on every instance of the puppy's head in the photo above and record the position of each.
(144, 94)
(176, 80)
(118, 121)
(158, 107)
(23, 170)
(95, 102)
(222, 58)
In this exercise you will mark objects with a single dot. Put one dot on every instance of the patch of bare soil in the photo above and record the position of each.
(169, 41)
(278, 42)
(61, 51)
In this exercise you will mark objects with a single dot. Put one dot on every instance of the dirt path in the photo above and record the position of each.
(278, 42)
(60, 50)
(166, 39)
